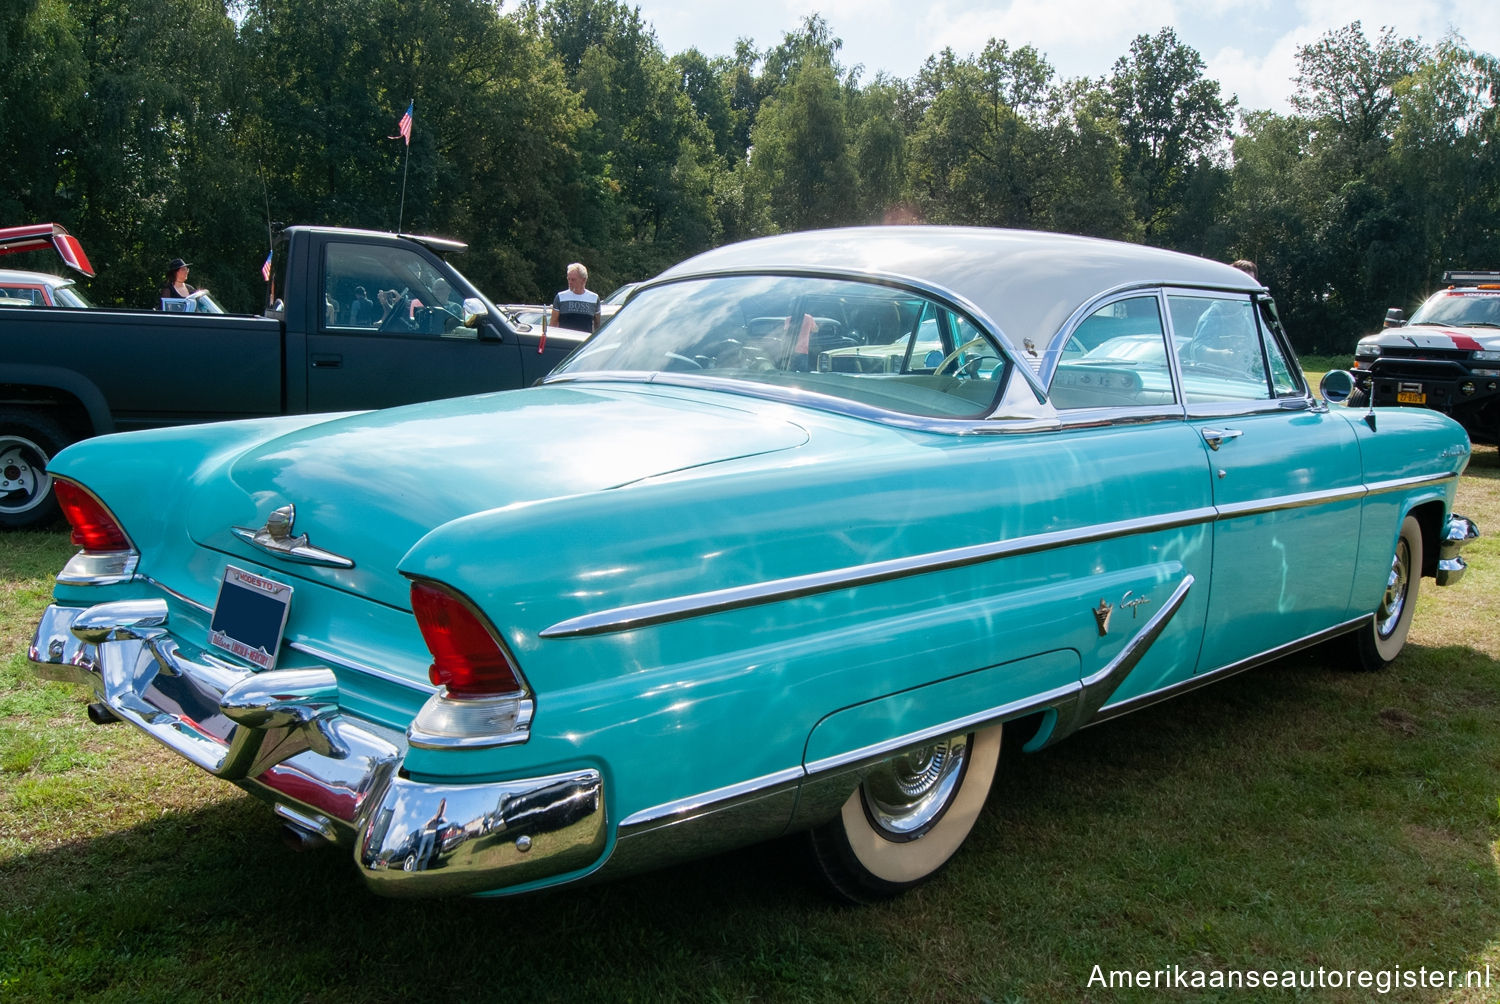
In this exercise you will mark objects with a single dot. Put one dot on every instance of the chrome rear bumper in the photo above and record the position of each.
(282, 735)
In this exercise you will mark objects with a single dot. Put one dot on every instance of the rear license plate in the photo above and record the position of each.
(1410, 397)
(250, 616)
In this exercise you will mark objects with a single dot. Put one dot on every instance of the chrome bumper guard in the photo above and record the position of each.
(1460, 531)
(281, 735)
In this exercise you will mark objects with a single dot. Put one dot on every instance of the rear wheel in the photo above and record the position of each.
(28, 441)
(1380, 641)
(908, 817)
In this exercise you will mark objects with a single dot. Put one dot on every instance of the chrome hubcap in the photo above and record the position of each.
(1394, 601)
(908, 793)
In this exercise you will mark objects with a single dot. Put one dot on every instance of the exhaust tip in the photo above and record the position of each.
(100, 714)
(299, 839)
(303, 831)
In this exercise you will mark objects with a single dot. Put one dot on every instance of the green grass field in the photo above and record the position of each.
(1297, 817)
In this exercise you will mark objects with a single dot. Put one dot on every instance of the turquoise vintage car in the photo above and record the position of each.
(784, 547)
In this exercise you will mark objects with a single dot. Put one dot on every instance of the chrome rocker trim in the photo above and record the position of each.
(281, 735)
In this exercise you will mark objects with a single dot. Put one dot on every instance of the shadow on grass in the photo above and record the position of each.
(1484, 463)
(1289, 818)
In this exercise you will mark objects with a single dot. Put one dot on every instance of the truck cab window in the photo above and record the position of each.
(393, 290)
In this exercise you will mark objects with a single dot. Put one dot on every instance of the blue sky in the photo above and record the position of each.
(1248, 45)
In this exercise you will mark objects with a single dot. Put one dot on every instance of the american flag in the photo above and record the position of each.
(265, 270)
(403, 128)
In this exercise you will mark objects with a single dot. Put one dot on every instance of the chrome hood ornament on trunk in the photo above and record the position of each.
(275, 538)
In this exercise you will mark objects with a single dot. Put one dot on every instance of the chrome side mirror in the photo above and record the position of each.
(1336, 386)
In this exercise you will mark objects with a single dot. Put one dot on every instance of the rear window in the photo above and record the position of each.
(873, 345)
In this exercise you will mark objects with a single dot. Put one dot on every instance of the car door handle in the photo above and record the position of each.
(1215, 437)
(327, 362)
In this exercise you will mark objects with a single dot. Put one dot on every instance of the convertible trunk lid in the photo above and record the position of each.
(367, 487)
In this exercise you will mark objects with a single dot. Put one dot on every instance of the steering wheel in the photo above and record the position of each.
(950, 357)
(397, 320)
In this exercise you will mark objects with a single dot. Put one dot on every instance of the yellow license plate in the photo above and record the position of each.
(1410, 397)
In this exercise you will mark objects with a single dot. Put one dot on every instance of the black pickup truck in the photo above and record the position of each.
(356, 320)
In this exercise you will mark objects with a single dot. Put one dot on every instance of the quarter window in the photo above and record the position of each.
(1116, 357)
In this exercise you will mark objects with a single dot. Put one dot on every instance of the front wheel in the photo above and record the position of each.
(1380, 641)
(907, 818)
(28, 441)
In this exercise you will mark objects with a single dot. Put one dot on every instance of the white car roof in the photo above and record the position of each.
(1028, 283)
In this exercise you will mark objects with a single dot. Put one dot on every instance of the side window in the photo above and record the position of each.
(1219, 346)
(393, 290)
(1116, 357)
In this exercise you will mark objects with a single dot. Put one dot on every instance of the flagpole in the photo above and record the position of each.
(401, 215)
(405, 166)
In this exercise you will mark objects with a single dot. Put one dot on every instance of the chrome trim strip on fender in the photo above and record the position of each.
(1396, 484)
(720, 796)
(657, 611)
(640, 615)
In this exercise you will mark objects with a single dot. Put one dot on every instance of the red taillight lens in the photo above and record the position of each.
(94, 527)
(466, 656)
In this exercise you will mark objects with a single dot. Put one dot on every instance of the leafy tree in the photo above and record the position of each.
(1173, 123)
(41, 61)
(1446, 149)
(1349, 86)
(800, 173)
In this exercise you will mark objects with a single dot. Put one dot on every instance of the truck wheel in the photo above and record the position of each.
(28, 441)
(1359, 397)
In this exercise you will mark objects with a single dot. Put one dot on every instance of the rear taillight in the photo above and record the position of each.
(94, 527)
(467, 657)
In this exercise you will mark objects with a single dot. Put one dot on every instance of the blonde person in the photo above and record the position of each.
(576, 307)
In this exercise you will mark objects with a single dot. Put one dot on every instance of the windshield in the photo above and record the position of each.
(873, 345)
(203, 303)
(1461, 308)
(68, 295)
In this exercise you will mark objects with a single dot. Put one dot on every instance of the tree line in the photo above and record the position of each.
(560, 130)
